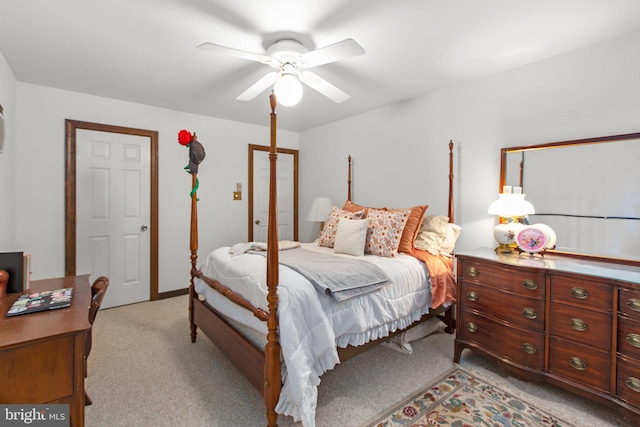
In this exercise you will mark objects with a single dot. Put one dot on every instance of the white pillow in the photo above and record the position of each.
(449, 239)
(351, 236)
(437, 235)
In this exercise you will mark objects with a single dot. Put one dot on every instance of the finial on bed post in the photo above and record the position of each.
(272, 371)
(451, 219)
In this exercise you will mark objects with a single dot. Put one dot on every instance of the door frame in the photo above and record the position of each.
(254, 147)
(71, 127)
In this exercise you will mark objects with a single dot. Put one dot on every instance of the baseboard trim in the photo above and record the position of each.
(171, 294)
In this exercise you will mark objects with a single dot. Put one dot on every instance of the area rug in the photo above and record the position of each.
(460, 399)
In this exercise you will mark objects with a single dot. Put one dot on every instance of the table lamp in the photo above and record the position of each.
(320, 210)
(512, 209)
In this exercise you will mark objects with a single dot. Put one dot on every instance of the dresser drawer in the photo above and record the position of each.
(629, 302)
(628, 382)
(581, 292)
(524, 281)
(527, 313)
(579, 363)
(520, 346)
(583, 325)
(629, 337)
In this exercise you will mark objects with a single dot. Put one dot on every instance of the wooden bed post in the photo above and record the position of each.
(193, 245)
(450, 213)
(349, 179)
(272, 368)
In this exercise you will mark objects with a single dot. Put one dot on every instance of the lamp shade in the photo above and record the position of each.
(511, 204)
(320, 209)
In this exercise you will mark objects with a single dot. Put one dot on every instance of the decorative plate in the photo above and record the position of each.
(531, 239)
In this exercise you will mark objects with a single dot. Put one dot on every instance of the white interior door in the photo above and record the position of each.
(285, 188)
(113, 213)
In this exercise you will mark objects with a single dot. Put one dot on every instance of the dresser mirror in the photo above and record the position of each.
(587, 190)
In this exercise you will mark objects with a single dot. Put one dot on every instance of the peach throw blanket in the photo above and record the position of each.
(443, 282)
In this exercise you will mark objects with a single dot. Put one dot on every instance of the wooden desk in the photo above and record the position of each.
(42, 354)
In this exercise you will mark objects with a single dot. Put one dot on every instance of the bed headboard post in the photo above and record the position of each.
(272, 371)
(193, 246)
(349, 178)
(450, 210)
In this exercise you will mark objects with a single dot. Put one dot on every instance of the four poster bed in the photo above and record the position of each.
(308, 329)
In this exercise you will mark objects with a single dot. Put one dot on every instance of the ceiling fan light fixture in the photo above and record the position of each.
(288, 90)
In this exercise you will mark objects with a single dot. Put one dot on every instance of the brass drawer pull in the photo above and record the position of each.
(578, 363)
(529, 313)
(579, 293)
(472, 296)
(529, 348)
(634, 340)
(530, 284)
(633, 384)
(472, 327)
(634, 304)
(472, 271)
(578, 324)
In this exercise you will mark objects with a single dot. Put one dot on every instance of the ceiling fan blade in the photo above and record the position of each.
(258, 87)
(224, 50)
(345, 49)
(324, 87)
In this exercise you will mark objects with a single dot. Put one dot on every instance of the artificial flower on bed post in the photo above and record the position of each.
(196, 155)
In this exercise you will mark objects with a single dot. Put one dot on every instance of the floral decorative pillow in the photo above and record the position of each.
(328, 234)
(385, 231)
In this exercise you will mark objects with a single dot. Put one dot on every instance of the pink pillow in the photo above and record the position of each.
(385, 231)
(328, 234)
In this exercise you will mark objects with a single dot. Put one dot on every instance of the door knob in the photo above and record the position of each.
(257, 222)
(144, 228)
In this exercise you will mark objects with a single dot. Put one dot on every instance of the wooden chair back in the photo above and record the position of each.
(98, 291)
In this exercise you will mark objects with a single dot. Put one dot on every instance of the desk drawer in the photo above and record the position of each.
(527, 313)
(524, 281)
(523, 347)
(628, 381)
(38, 372)
(629, 337)
(585, 326)
(580, 363)
(581, 292)
(630, 303)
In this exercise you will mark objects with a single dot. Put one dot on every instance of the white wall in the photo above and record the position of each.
(40, 175)
(8, 159)
(400, 155)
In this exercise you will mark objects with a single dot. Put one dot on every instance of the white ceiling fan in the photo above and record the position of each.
(292, 59)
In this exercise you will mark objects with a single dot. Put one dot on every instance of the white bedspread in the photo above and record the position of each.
(315, 324)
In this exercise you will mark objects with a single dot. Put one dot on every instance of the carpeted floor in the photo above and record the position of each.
(144, 371)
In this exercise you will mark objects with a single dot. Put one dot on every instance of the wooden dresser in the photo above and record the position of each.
(572, 323)
(42, 354)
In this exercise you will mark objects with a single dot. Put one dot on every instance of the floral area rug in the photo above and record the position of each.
(463, 400)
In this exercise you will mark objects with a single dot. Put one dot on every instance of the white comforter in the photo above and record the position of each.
(315, 324)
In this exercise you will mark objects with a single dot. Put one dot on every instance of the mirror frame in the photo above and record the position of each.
(548, 145)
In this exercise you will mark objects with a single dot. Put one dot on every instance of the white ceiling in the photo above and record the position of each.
(145, 50)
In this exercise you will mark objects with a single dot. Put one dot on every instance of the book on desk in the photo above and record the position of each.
(41, 301)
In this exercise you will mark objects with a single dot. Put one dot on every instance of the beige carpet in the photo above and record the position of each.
(144, 371)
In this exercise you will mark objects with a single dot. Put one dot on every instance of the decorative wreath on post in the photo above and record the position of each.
(196, 154)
